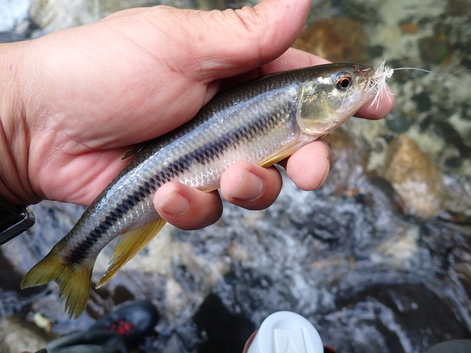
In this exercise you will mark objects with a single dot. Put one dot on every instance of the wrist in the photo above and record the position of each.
(15, 186)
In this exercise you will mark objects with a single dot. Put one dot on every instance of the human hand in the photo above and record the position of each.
(77, 99)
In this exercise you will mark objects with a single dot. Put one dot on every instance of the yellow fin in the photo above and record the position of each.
(74, 281)
(277, 156)
(129, 245)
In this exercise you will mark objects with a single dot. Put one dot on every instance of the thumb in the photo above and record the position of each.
(220, 44)
(253, 36)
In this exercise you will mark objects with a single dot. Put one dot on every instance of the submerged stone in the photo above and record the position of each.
(55, 15)
(338, 39)
(18, 335)
(433, 50)
(415, 177)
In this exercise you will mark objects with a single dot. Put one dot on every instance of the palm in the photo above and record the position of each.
(125, 96)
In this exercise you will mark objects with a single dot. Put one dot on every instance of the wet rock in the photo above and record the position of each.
(399, 124)
(6, 37)
(349, 159)
(18, 335)
(458, 8)
(309, 253)
(433, 50)
(10, 278)
(377, 312)
(55, 15)
(458, 200)
(338, 39)
(375, 51)
(415, 177)
(453, 138)
(460, 255)
(12, 14)
(410, 28)
(422, 101)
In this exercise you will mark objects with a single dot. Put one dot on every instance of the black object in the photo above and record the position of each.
(224, 331)
(13, 221)
(132, 320)
(123, 327)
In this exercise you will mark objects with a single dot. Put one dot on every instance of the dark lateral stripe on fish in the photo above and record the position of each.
(206, 153)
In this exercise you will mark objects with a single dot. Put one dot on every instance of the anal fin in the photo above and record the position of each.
(129, 245)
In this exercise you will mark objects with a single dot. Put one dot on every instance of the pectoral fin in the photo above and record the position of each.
(134, 150)
(277, 156)
(129, 245)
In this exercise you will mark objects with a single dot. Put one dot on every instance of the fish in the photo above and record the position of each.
(263, 121)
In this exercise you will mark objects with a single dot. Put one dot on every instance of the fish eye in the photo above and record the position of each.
(343, 81)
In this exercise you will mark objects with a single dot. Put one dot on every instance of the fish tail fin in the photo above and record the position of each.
(73, 280)
(129, 245)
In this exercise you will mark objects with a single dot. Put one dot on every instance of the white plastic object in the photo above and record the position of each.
(286, 332)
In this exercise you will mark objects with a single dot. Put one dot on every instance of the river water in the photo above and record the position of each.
(377, 259)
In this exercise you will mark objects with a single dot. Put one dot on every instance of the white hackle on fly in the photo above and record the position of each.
(378, 82)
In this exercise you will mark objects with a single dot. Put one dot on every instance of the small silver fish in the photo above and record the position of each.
(263, 121)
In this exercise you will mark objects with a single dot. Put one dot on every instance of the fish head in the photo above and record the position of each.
(332, 93)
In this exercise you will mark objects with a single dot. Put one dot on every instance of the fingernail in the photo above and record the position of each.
(175, 204)
(248, 188)
(328, 167)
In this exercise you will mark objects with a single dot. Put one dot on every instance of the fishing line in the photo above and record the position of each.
(385, 72)
(432, 72)
(417, 69)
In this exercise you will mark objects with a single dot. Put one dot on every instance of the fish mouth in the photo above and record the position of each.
(368, 75)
